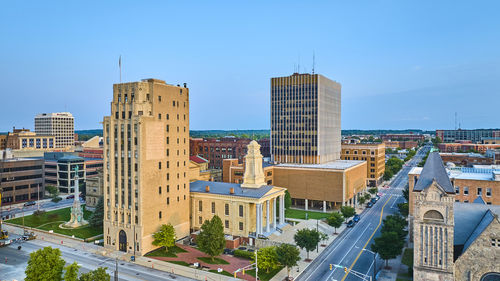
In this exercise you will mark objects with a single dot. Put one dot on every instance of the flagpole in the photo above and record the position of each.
(120, 65)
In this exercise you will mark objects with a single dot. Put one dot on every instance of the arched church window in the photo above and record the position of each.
(433, 216)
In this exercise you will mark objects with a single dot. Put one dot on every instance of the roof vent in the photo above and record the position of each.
(231, 190)
(207, 188)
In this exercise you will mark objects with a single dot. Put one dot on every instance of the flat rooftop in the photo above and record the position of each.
(334, 165)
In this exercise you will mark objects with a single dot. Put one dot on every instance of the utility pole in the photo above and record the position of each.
(116, 269)
(256, 266)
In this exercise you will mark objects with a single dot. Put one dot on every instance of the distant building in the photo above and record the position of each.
(452, 240)
(265, 147)
(401, 144)
(216, 150)
(305, 119)
(21, 180)
(60, 125)
(475, 136)
(373, 154)
(24, 139)
(466, 147)
(402, 137)
(466, 159)
(3, 142)
(94, 189)
(233, 172)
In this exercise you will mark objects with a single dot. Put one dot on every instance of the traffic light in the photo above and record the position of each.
(345, 269)
(235, 274)
(331, 266)
(243, 271)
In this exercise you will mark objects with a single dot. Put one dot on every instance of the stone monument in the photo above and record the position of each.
(76, 210)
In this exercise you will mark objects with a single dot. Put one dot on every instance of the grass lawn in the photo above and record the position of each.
(301, 214)
(263, 275)
(161, 252)
(215, 261)
(52, 219)
(223, 272)
(179, 263)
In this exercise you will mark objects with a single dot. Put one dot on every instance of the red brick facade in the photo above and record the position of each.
(216, 150)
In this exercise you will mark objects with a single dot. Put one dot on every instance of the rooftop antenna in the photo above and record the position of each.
(120, 66)
(314, 62)
(455, 120)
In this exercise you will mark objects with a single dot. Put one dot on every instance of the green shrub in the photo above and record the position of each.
(244, 254)
(38, 213)
(56, 199)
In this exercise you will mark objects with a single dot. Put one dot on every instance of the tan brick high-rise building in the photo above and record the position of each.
(373, 154)
(146, 164)
(305, 119)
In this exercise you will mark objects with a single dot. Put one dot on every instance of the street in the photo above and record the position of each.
(351, 248)
(13, 263)
(46, 205)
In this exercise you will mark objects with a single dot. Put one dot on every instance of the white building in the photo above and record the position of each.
(59, 124)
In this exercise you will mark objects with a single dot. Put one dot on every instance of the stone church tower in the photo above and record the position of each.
(433, 223)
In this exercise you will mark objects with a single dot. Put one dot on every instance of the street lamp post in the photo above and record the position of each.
(374, 262)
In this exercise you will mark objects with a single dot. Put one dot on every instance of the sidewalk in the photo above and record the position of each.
(287, 237)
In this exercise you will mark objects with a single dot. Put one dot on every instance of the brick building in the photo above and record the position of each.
(402, 137)
(466, 147)
(265, 147)
(466, 159)
(216, 150)
(401, 144)
(21, 180)
(373, 154)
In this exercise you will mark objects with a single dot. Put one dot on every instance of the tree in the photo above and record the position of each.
(347, 212)
(397, 224)
(388, 246)
(165, 237)
(388, 175)
(97, 217)
(53, 191)
(288, 255)
(373, 190)
(267, 258)
(99, 274)
(307, 239)
(45, 264)
(361, 200)
(323, 237)
(335, 220)
(71, 273)
(367, 196)
(403, 209)
(211, 238)
(406, 193)
(288, 200)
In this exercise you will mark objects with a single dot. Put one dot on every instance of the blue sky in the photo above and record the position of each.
(402, 64)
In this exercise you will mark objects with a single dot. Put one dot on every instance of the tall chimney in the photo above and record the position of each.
(231, 190)
(207, 188)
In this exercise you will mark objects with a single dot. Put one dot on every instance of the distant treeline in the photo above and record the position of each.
(257, 134)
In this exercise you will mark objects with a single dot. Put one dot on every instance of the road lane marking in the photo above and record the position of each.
(369, 239)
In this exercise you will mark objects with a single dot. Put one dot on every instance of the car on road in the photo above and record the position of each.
(31, 203)
(377, 197)
(70, 196)
(369, 205)
(373, 201)
(350, 223)
(356, 218)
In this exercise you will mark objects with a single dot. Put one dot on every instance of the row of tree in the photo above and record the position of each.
(47, 264)
(392, 167)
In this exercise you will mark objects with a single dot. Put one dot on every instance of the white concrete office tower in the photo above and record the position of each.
(59, 124)
(305, 119)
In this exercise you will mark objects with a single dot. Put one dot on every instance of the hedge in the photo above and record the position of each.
(244, 254)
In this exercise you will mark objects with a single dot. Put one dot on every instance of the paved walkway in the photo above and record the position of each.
(192, 254)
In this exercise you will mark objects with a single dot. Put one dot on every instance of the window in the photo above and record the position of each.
(167, 128)
(173, 103)
(466, 190)
(168, 188)
(168, 201)
(226, 209)
(457, 190)
(159, 165)
(159, 116)
(159, 189)
(213, 207)
(159, 98)
(479, 191)
(200, 220)
(241, 210)
(227, 224)
(200, 206)
(159, 214)
(241, 226)
(488, 192)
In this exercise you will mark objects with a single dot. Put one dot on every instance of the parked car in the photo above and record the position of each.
(356, 218)
(31, 203)
(242, 248)
(70, 196)
(369, 205)
(373, 201)
(377, 197)
(350, 223)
